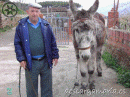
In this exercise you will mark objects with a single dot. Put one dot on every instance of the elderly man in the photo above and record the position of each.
(36, 50)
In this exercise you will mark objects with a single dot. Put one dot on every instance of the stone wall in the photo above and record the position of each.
(119, 45)
(8, 21)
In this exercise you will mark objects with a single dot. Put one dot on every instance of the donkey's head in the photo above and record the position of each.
(84, 29)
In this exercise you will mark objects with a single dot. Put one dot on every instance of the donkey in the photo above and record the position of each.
(88, 29)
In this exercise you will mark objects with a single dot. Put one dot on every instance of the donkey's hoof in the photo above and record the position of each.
(83, 88)
(76, 84)
(99, 74)
(91, 86)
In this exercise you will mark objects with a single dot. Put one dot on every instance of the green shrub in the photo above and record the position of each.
(0, 8)
(5, 28)
(123, 74)
(21, 11)
(124, 79)
(11, 19)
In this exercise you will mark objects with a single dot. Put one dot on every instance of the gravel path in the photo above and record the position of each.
(63, 74)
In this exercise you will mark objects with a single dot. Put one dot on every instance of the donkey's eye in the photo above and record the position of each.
(77, 30)
(86, 27)
(88, 39)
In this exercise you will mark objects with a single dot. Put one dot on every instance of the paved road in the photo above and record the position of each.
(63, 74)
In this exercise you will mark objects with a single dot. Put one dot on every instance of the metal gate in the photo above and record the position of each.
(60, 26)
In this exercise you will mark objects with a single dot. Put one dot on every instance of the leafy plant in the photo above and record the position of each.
(21, 11)
(5, 0)
(123, 74)
(0, 8)
(5, 28)
(57, 4)
(124, 79)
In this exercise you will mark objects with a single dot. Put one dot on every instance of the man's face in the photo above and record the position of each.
(33, 13)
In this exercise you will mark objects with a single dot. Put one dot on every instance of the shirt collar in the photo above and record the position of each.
(39, 21)
(35, 26)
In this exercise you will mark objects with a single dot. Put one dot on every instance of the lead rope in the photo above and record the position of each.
(30, 81)
(76, 83)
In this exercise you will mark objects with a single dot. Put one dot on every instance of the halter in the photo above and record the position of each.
(83, 19)
(84, 48)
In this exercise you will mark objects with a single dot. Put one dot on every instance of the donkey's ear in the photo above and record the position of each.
(73, 7)
(94, 7)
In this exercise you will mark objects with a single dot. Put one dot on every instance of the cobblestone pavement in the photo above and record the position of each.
(63, 74)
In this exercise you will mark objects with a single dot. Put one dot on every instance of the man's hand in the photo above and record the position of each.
(55, 61)
(23, 64)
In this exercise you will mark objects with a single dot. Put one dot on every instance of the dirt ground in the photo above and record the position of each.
(63, 74)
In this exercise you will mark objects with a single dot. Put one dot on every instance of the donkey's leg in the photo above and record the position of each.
(91, 68)
(100, 42)
(77, 69)
(98, 60)
(84, 74)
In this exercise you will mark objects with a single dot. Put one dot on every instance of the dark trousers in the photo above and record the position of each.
(42, 68)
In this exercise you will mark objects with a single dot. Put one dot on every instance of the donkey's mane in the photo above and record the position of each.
(85, 14)
(98, 16)
(82, 14)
